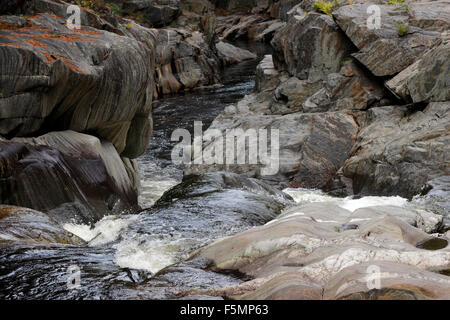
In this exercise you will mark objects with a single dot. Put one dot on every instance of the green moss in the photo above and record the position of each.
(345, 61)
(394, 2)
(402, 29)
(325, 6)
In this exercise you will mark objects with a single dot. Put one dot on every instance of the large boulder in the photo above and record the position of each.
(55, 78)
(68, 175)
(230, 54)
(157, 13)
(350, 89)
(397, 153)
(234, 28)
(310, 47)
(184, 60)
(313, 245)
(425, 80)
(312, 147)
(435, 196)
(387, 50)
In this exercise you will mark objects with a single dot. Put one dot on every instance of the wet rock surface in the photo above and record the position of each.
(145, 260)
(22, 225)
(95, 180)
(359, 111)
(304, 245)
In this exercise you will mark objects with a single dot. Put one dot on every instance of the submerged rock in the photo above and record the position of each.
(22, 225)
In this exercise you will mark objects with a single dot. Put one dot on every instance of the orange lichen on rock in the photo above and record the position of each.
(71, 66)
(8, 26)
(50, 58)
(87, 32)
(35, 43)
(69, 63)
(6, 211)
(15, 45)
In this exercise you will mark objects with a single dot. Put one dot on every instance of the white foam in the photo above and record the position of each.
(151, 255)
(151, 191)
(308, 195)
(104, 231)
(371, 201)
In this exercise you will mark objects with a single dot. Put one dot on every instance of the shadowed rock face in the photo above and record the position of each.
(310, 47)
(397, 153)
(158, 13)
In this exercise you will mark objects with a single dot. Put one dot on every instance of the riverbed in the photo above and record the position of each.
(129, 256)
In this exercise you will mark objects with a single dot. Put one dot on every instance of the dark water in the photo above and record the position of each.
(121, 266)
(180, 111)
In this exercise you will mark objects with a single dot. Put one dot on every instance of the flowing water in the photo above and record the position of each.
(125, 252)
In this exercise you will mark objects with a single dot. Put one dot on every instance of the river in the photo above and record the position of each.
(125, 252)
(127, 249)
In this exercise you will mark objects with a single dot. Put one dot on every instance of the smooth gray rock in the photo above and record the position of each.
(384, 51)
(425, 80)
(87, 80)
(312, 147)
(68, 175)
(305, 245)
(230, 54)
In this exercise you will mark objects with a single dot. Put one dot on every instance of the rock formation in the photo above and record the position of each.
(323, 251)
